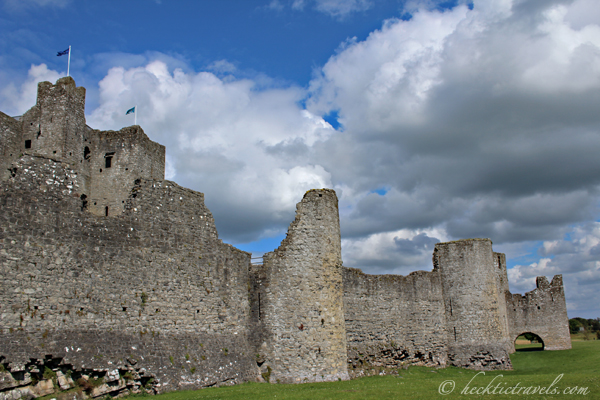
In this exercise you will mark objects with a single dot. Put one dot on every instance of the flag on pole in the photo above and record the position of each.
(132, 110)
(64, 53)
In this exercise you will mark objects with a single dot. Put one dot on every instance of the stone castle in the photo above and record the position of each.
(114, 279)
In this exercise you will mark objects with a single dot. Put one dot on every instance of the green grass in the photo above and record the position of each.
(582, 336)
(529, 347)
(580, 367)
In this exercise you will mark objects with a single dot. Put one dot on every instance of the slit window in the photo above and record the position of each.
(86, 153)
(106, 211)
(28, 144)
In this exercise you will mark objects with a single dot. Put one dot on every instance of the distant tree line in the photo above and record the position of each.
(590, 326)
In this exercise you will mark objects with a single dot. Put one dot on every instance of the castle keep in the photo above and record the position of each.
(115, 280)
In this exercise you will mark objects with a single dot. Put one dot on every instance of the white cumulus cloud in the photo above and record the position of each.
(18, 99)
(577, 258)
(224, 137)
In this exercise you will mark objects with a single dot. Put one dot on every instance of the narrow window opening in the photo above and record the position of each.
(108, 159)
(455, 334)
(450, 307)
(106, 211)
(84, 202)
(320, 195)
(54, 152)
(28, 144)
(124, 308)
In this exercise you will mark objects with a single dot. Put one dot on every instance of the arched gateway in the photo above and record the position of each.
(529, 341)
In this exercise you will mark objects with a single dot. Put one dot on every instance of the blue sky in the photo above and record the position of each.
(433, 121)
(260, 37)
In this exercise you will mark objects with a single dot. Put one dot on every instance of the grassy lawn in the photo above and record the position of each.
(529, 347)
(577, 337)
(580, 368)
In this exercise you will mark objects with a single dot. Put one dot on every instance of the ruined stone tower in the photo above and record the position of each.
(55, 127)
(542, 311)
(300, 332)
(476, 324)
(107, 162)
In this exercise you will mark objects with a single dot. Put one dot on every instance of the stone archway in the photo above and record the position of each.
(529, 341)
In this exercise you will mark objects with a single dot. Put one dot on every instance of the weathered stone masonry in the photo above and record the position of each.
(114, 279)
(153, 288)
(301, 335)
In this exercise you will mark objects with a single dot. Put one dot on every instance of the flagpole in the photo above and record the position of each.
(69, 62)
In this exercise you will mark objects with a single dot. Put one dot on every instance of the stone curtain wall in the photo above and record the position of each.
(303, 336)
(153, 288)
(393, 320)
(476, 330)
(542, 311)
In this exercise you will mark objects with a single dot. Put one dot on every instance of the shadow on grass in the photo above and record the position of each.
(529, 349)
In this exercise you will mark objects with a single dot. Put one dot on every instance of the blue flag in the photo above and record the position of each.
(63, 53)
(131, 110)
